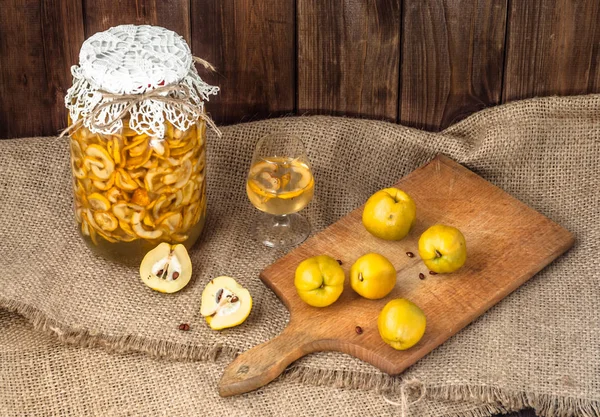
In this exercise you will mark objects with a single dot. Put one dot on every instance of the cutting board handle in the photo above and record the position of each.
(263, 363)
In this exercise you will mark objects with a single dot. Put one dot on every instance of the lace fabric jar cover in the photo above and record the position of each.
(137, 138)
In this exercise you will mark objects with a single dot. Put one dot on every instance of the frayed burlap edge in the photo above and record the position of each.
(492, 400)
(119, 344)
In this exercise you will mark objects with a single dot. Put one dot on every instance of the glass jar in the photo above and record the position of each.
(138, 142)
(133, 191)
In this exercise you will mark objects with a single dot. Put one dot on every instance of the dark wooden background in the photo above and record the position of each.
(422, 63)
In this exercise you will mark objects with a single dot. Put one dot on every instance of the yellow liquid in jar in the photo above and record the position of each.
(280, 185)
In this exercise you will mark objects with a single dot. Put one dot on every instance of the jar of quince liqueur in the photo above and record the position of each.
(137, 131)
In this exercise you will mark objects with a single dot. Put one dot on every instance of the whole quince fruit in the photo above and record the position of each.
(401, 324)
(319, 280)
(389, 214)
(443, 248)
(373, 276)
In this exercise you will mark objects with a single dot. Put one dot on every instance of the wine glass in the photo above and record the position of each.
(280, 183)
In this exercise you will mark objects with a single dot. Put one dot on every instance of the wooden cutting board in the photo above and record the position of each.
(507, 243)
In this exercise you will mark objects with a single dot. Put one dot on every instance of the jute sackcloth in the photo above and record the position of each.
(539, 347)
(40, 376)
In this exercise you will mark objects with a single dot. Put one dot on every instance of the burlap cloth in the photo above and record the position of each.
(539, 347)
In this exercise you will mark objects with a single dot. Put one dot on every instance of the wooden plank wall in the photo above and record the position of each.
(422, 63)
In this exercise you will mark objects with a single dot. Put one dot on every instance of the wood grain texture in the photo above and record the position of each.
(171, 14)
(348, 57)
(491, 220)
(34, 64)
(251, 43)
(553, 48)
(452, 60)
(63, 34)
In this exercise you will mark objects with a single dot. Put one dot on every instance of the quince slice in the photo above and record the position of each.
(138, 228)
(138, 149)
(98, 202)
(105, 185)
(225, 303)
(141, 160)
(140, 197)
(114, 195)
(124, 181)
(106, 220)
(166, 268)
(99, 162)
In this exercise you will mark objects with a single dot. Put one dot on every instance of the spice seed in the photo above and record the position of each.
(358, 329)
(421, 275)
(184, 326)
(410, 254)
(432, 273)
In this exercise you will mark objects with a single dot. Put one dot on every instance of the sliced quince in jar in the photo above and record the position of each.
(159, 146)
(99, 162)
(140, 197)
(166, 268)
(105, 185)
(124, 226)
(148, 220)
(175, 143)
(179, 238)
(180, 177)
(79, 168)
(199, 162)
(225, 303)
(163, 202)
(151, 163)
(133, 141)
(117, 148)
(188, 146)
(200, 132)
(85, 227)
(188, 193)
(170, 221)
(77, 159)
(124, 211)
(191, 215)
(124, 181)
(141, 160)
(138, 149)
(185, 174)
(106, 220)
(178, 199)
(114, 195)
(98, 202)
(152, 180)
(138, 228)
(106, 236)
(137, 173)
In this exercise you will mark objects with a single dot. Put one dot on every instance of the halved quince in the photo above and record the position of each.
(166, 268)
(225, 303)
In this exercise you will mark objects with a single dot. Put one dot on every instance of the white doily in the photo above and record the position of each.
(132, 59)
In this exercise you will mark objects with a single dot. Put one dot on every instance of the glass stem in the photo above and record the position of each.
(282, 221)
